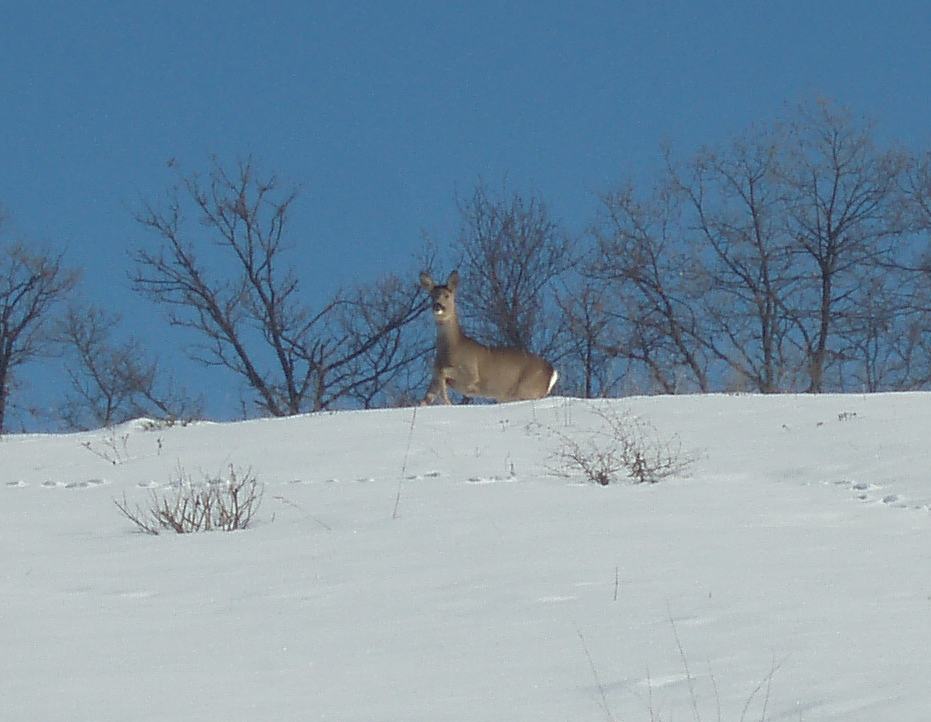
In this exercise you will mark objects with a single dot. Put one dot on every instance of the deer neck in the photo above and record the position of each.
(448, 333)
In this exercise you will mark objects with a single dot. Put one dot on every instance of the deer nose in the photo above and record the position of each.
(438, 308)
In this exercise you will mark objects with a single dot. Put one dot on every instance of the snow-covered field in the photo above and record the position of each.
(785, 576)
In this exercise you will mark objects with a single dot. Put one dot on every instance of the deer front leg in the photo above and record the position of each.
(437, 388)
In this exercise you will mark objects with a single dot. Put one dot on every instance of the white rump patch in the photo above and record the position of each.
(553, 379)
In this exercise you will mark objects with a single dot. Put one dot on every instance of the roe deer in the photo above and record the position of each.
(502, 374)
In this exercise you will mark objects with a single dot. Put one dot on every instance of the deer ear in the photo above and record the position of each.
(453, 281)
(426, 281)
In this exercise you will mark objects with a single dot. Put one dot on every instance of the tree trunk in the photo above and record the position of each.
(824, 327)
(3, 394)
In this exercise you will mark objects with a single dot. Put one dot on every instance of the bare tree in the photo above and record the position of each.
(879, 342)
(779, 261)
(640, 255)
(744, 269)
(31, 285)
(589, 363)
(917, 186)
(913, 273)
(113, 381)
(843, 211)
(251, 316)
(514, 254)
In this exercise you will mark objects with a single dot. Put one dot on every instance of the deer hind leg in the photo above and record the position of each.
(537, 386)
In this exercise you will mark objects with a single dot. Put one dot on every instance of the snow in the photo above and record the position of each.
(784, 576)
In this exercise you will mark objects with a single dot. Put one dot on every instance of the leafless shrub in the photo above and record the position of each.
(114, 449)
(625, 446)
(217, 504)
(160, 424)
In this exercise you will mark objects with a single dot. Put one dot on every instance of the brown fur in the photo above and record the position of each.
(472, 369)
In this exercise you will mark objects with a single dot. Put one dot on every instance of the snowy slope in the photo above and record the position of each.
(790, 569)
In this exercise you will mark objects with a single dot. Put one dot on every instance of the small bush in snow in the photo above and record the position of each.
(114, 449)
(624, 447)
(167, 422)
(217, 504)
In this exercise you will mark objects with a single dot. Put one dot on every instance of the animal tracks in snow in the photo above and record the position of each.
(492, 479)
(156, 485)
(76, 484)
(363, 479)
(89, 483)
(871, 493)
(425, 476)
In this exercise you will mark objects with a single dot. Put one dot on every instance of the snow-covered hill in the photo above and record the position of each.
(785, 576)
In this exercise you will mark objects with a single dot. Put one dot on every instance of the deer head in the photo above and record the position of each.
(444, 296)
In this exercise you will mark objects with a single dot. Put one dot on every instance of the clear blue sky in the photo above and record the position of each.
(383, 111)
